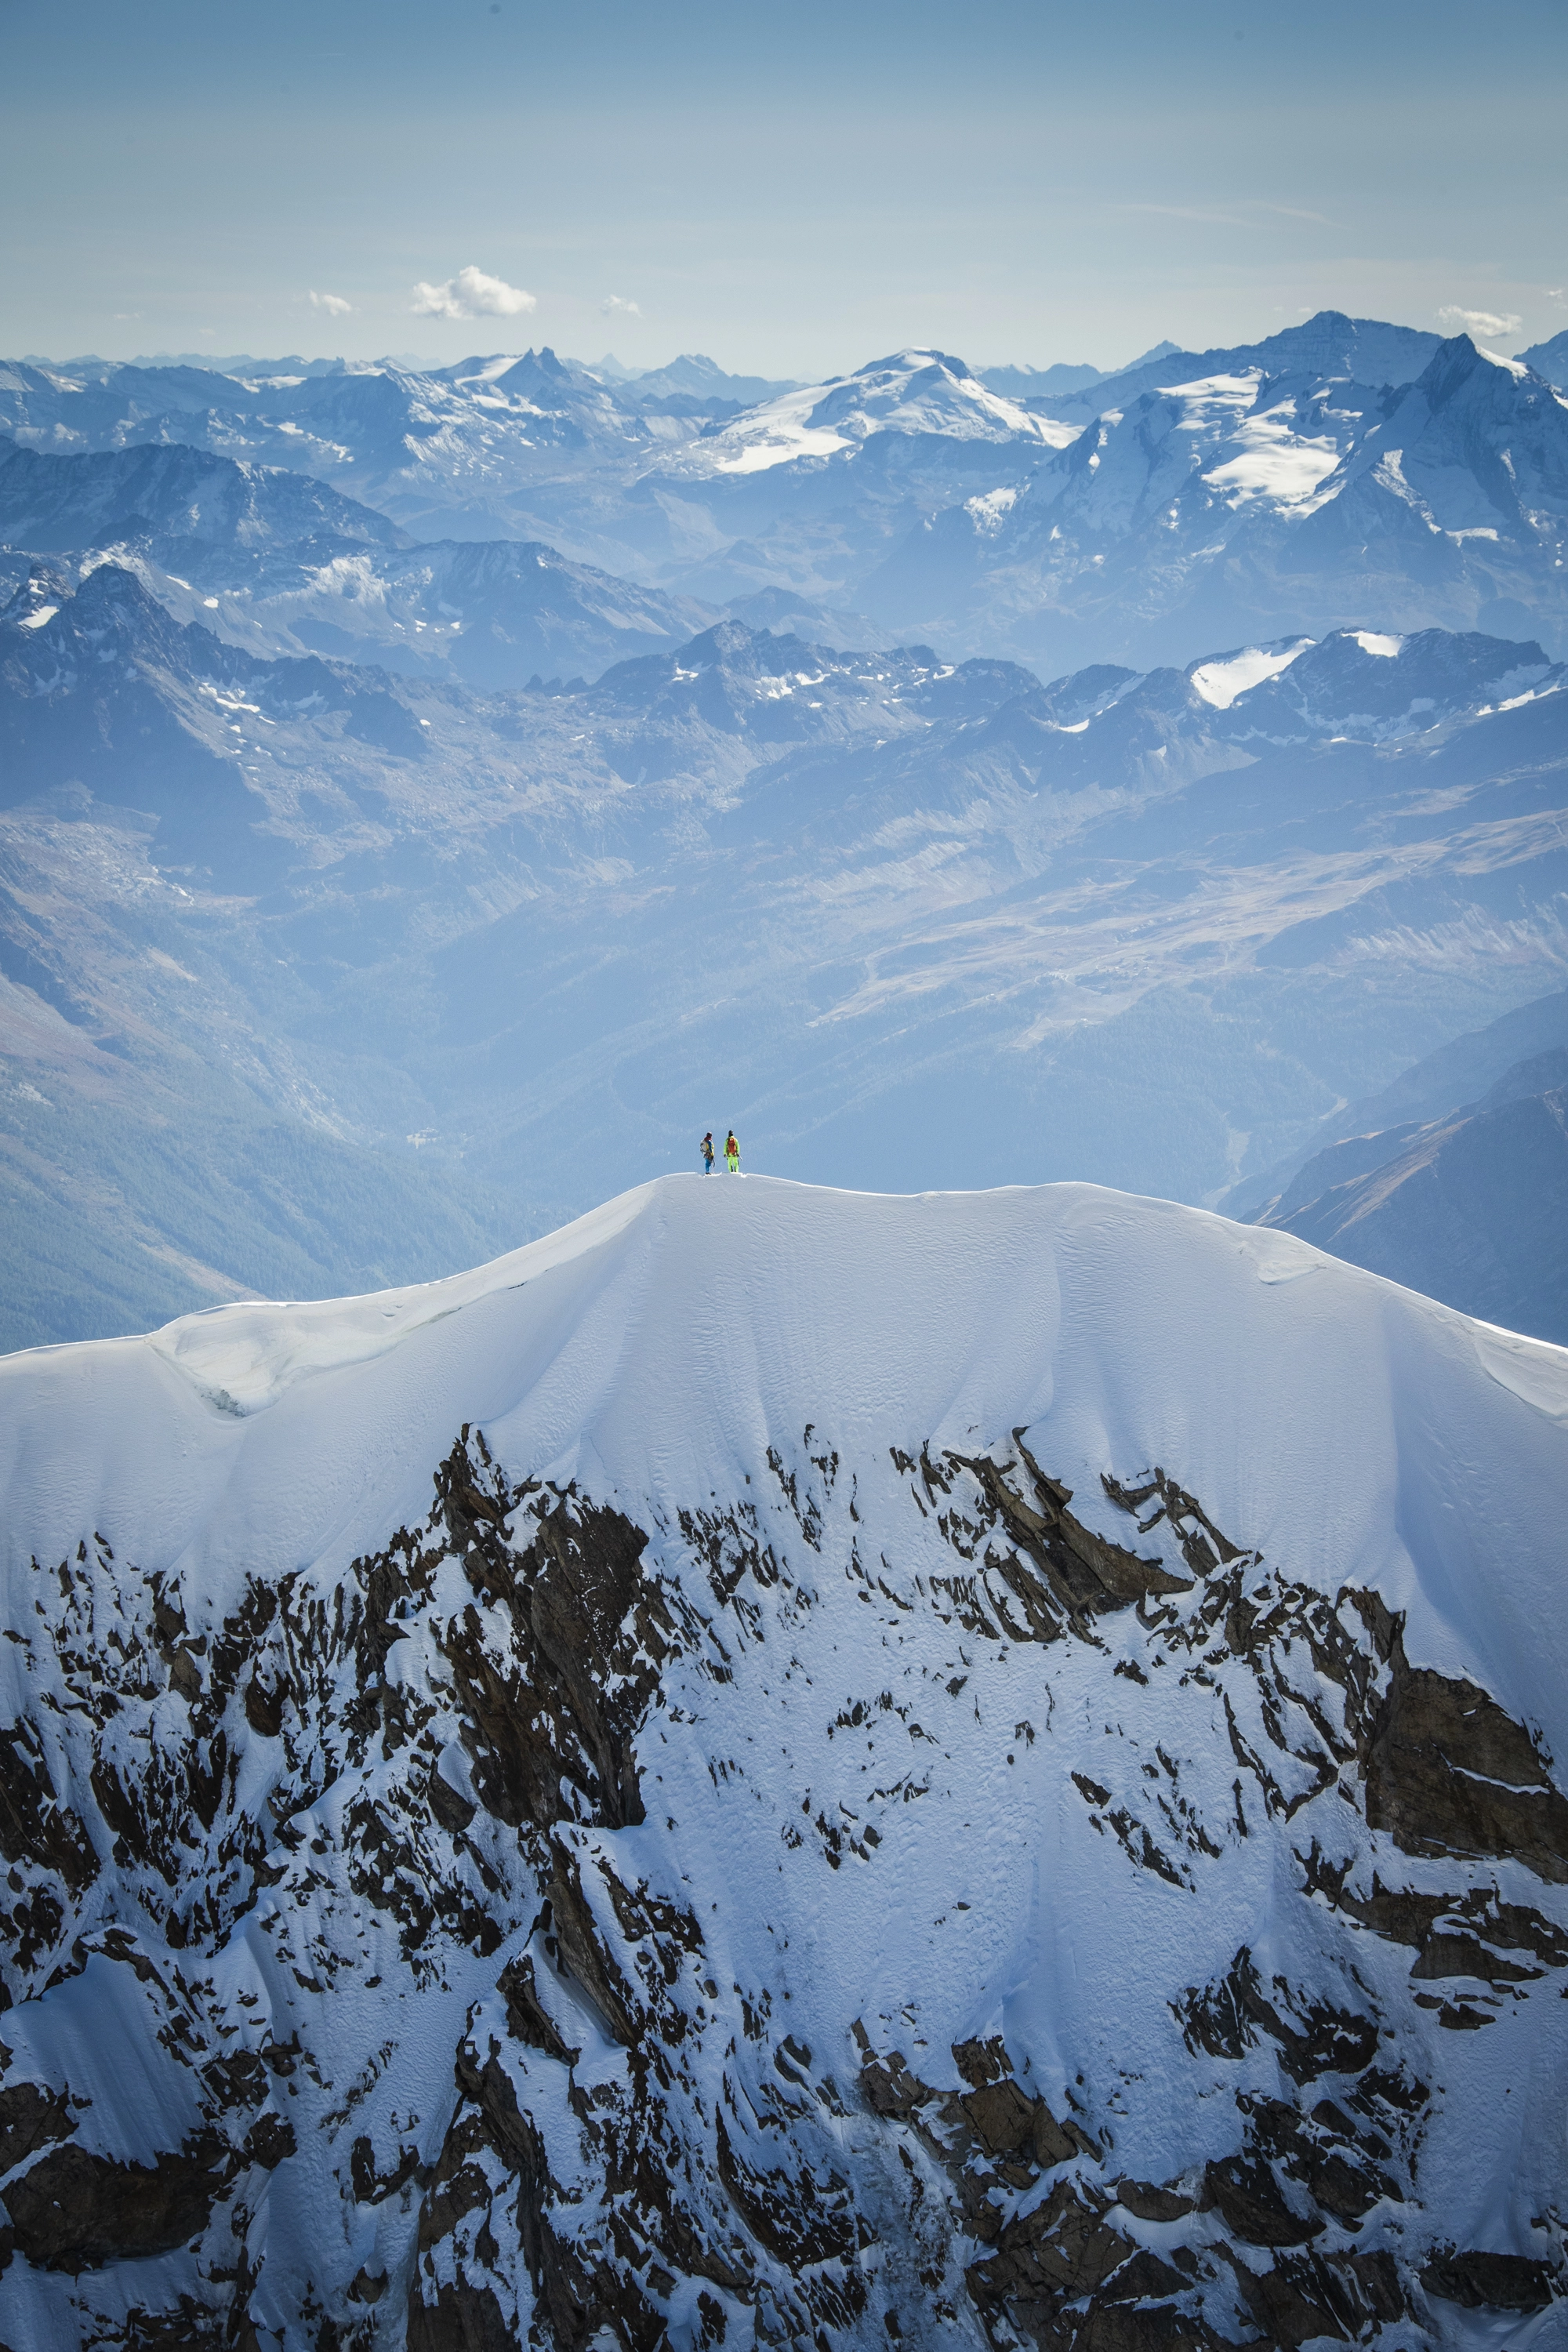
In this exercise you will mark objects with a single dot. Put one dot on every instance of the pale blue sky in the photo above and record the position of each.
(793, 188)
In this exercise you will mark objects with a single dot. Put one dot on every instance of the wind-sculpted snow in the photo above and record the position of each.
(790, 1769)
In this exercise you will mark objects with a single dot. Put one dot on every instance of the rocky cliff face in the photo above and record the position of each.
(651, 1867)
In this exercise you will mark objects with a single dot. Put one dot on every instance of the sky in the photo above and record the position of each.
(791, 189)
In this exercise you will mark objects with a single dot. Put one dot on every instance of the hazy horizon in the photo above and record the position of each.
(1038, 186)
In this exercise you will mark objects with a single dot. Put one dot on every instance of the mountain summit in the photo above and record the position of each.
(916, 395)
(790, 1769)
(1240, 499)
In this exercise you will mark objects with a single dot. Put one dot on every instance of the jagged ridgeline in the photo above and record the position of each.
(788, 1769)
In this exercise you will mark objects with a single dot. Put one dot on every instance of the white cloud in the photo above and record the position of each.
(1487, 324)
(612, 302)
(471, 295)
(333, 304)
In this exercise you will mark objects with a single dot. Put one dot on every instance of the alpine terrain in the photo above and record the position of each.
(790, 1768)
(319, 975)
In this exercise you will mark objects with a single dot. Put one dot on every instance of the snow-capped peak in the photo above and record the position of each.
(1220, 682)
(791, 1767)
(910, 393)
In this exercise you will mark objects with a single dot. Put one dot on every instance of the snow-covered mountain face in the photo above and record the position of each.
(1247, 500)
(932, 924)
(1327, 347)
(534, 446)
(916, 397)
(814, 488)
(790, 1769)
(1373, 684)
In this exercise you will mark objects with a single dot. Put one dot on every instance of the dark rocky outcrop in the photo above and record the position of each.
(1485, 2282)
(640, 2145)
(74, 2211)
(1447, 1771)
(30, 2118)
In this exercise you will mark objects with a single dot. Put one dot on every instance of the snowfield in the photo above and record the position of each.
(915, 393)
(792, 1768)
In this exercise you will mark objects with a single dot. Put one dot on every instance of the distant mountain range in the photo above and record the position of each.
(349, 827)
(497, 947)
(1329, 346)
(280, 563)
(1343, 473)
(1256, 499)
(1057, 383)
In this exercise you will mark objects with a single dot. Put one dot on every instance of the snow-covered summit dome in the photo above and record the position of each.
(791, 1767)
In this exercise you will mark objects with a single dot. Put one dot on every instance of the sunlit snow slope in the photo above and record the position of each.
(789, 1768)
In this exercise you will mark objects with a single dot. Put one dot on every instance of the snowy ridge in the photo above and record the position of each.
(791, 1767)
(1313, 497)
(913, 393)
(1343, 473)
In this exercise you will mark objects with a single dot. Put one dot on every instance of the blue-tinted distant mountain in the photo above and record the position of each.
(278, 564)
(784, 613)
(694, 376)
(692, 373)
(1159, 351)
(104, 689)
(614, 371)
(1471, 1207)
(1356, 1138)
(1044, 383)
(1329, 344)
(238, 363)
(162, 493)
(1242, 502)
(1025, 383)
(1300, 484)
(807, 489)
(474, 444)
(1549, 359)
(1145, 927)
(532, 448)
(244, 364)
